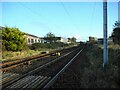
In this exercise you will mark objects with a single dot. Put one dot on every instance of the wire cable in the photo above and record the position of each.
(68, 14)
(38, 14)
(92, 15)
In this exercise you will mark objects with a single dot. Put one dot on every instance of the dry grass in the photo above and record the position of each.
(9, 55)
(94, 75)
(115, 47)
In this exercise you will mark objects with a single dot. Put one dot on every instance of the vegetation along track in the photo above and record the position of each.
(38, 76)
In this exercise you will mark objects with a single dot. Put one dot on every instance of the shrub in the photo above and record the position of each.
(39, 46)
(13, 39)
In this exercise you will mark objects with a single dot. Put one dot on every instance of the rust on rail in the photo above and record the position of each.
(12, 64)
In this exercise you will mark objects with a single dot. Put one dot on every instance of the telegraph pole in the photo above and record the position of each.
(105, 44)
(119, 14)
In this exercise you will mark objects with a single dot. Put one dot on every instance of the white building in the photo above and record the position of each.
(32, 39)
(64, 40)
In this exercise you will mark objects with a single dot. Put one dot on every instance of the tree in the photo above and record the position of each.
(73, 40)
(50, 38)
(13, 39)
(92, 40)
(116, 25)
(50, 34)
(116, 35)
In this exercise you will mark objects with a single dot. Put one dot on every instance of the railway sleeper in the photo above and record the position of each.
(30, 82)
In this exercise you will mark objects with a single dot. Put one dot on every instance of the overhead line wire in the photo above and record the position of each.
(40, 15)
(92, 15)
(67, 12)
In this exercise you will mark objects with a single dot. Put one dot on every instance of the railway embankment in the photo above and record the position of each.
(87, 70)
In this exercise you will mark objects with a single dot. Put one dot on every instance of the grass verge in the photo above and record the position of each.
(94, 75)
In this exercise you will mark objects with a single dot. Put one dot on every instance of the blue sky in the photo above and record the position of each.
(66, 19)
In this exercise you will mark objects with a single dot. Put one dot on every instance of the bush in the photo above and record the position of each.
(26, 48)
(13, 39)
(39, 46)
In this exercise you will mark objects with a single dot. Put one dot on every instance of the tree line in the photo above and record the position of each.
(51, 38)
(13, 39)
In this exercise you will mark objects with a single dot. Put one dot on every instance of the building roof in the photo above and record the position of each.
(32, 35)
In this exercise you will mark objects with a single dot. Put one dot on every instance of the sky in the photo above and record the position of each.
(65, 19)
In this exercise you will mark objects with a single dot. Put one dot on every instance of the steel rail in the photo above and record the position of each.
(61, 71)
(37, 69)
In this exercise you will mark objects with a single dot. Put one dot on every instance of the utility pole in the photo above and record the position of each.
(105, 44)
(119, 14)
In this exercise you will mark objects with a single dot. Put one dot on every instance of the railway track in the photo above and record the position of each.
(29, 81)
(28, 60)
(61, 71)
(24, 68)
(12, 64)
(37, 78)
